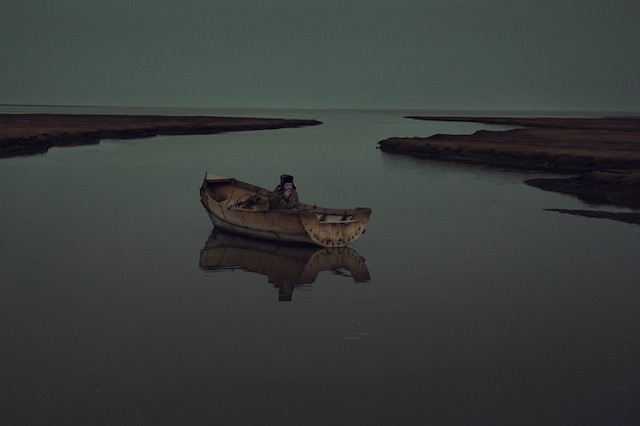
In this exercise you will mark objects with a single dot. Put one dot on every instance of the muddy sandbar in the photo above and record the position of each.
(603, 152)
(28, 134)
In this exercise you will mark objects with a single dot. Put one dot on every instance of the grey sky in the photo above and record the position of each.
(438, 54)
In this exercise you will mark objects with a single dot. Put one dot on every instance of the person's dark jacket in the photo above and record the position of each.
(277, 200)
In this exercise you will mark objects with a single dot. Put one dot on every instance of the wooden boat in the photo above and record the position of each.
(243, 208)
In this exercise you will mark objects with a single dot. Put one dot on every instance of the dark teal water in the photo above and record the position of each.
(479, 308)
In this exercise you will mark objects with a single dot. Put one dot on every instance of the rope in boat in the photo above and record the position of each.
(246, 200)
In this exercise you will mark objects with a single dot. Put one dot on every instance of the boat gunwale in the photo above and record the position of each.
(263, 191)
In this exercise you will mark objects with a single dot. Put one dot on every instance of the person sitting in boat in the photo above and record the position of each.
(285, 195)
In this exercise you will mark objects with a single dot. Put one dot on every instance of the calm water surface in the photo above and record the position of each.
(463, 303)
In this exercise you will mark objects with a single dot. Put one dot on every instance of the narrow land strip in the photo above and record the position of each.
(29, 134)
(603, 152)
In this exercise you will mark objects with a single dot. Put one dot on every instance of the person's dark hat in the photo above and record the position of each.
(286, 179)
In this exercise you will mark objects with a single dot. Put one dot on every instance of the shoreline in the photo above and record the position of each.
(32, 134)
(565, 145)
(604, 153)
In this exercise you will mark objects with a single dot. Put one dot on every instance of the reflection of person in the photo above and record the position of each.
(285, 292)
(285, 195)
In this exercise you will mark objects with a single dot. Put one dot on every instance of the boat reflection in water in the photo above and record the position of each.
(285, 265)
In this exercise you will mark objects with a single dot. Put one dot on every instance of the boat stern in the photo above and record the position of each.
(335, 231)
